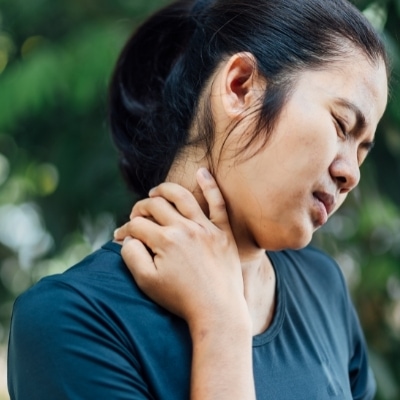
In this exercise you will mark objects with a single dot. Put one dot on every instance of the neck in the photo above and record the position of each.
(259, 282)
(183, 172)
(258, 273)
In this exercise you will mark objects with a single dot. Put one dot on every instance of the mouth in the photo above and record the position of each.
(327, 200)
(324, 204)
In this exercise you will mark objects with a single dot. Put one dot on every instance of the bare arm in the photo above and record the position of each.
(195, 272)
(222, 362)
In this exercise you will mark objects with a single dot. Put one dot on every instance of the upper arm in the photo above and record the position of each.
(62, 347)
(362, 380)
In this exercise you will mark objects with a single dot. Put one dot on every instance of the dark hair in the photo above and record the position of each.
(166, 64)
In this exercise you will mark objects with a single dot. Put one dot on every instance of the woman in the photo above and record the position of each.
(279, 100)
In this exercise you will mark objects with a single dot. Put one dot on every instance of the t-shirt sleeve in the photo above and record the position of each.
(363, 386)
(62, 347)
(362, 381)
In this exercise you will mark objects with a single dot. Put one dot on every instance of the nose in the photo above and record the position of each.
(345, 171)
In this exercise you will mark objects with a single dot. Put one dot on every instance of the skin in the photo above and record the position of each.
(209, 235)
(307, 152)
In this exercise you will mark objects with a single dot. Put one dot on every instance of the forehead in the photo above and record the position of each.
(355, 79)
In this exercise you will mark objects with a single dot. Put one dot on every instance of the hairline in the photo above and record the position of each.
(287, 81)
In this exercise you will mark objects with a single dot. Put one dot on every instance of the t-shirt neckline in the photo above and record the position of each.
(280, 300)
(272, 331)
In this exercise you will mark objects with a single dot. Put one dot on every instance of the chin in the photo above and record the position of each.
(295, 239)
(287, 233)
(296, 243)
(299, 244)
(298, 237)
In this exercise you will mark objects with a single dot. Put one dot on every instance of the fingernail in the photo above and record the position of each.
(205, 173)
(152, 190)
(127, 239)
(116, 232)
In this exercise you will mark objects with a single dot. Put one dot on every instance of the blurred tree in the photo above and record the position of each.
(60, 191)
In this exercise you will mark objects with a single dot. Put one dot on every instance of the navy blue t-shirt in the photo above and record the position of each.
(90, 333)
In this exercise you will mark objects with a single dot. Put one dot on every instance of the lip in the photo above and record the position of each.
(324, 204)
(327, 200)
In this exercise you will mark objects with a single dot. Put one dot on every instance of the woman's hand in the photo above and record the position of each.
(194, 270)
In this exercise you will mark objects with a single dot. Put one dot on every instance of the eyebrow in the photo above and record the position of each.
(361, 120)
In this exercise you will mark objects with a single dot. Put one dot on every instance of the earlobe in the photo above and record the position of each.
(243, 85)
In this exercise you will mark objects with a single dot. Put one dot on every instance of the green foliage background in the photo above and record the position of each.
(60, 192)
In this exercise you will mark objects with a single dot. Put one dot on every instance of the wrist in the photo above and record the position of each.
(235, 323)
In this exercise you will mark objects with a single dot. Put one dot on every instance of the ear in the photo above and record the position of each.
(242, 85)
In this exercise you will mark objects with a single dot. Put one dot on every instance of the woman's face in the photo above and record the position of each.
(278, 197)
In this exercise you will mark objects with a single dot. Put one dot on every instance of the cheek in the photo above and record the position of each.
(306, 152)
(340, 201)
(316, 133)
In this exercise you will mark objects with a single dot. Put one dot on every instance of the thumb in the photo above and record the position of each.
(214, 198)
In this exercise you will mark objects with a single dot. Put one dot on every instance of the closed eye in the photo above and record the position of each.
(342, 127)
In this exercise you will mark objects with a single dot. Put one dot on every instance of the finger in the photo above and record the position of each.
(139, 262)
(157, 209)
(182, 199)
(148, 232)
(216, 203)
(122, 232)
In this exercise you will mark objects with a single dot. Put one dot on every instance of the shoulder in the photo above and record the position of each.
(103, 264)
(91, 333)
(98, 273)
(84, 334)
(318, 301)
(96, 289)
(315, 277)
(311, 264)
